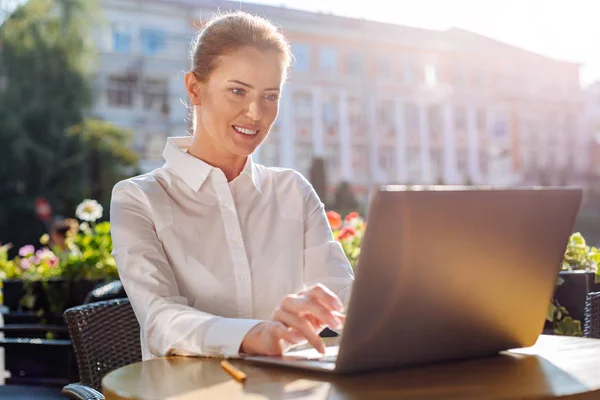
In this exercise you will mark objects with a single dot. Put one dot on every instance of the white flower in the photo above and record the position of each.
(89, 210)
(85, 228)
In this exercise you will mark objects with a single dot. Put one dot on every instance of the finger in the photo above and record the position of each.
(303, 305)
(276, 338)
(282, 332)
(317, 325)
(301, 325)
(326, 297)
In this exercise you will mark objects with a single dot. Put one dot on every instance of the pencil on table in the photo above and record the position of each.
(233, 371)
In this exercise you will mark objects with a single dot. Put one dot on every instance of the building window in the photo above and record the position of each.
(411, 116)
(355, 116)
(431, 78)
(360, 163)
(301, 54)
(121, 37)
(408, 72)
(481, 120)
(460, 117)
(302, 104)
(119, 91)
(354, 64)
(434, 115)
(386, 113)
(333, 162)
(156, 95)
(327, 59)
(330, 112)
(152, 41)
(384, 67)
(387, 159)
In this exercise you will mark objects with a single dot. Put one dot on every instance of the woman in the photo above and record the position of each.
(220, 255)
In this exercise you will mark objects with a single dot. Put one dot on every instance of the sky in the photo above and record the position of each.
(563, 29)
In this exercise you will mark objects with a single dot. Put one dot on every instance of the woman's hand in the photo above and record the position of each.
(299, 318)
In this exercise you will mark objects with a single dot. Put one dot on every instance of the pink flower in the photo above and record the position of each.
(25, 263)
(53, 261)
(26, 250)
(43, 253)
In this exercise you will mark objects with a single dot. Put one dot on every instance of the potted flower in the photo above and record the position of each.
(349, 232)
(579, 276)
(63, 271)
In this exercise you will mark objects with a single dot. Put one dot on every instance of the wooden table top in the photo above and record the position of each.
(556, 366)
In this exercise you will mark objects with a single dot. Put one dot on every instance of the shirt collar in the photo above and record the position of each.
(193, 170)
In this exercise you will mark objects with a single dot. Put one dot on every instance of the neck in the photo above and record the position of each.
(203, 148)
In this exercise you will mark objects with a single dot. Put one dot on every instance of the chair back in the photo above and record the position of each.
(592, 316)
(105, 336)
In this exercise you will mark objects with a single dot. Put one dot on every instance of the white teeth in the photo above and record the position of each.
(245, 131)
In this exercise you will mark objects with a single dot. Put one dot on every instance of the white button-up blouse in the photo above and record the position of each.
(203, 260)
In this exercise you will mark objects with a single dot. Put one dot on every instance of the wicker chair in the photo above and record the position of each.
(108, 291)
(592, 316)
(105, 336)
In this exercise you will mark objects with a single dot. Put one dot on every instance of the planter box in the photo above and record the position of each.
(69, 292)
(573, 291)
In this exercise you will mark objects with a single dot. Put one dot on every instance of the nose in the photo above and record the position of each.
(254, 112)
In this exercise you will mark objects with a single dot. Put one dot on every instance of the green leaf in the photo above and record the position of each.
(550, 312)
(568, 327)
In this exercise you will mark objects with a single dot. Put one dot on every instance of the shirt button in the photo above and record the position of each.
(245, 277)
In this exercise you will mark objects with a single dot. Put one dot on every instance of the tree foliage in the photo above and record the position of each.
(45, 93)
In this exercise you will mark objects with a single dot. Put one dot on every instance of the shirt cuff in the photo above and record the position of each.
(225, 336)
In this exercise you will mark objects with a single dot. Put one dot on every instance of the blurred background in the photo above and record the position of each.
(469, 92)
(436, 91)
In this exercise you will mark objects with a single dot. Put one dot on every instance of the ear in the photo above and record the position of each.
(194, 88)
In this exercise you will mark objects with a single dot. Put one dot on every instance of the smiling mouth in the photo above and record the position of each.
(248, 132)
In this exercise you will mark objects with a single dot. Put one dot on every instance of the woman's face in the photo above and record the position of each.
(238, 104)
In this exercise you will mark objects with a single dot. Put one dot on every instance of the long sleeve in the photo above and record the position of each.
(324, 258)
(169, 325)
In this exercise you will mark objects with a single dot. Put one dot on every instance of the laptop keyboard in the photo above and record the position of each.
(327, 358)
(313, 355)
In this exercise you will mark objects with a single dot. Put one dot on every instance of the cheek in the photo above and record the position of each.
(216, 115)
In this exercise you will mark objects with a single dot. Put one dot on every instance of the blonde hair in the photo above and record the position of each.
(228, 32)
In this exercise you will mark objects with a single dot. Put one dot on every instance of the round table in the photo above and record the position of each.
(555, 367)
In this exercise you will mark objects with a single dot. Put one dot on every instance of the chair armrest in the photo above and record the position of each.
(81, 392)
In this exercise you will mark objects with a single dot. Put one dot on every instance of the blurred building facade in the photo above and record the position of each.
(381, 103)
(142, 48)
(593, 126)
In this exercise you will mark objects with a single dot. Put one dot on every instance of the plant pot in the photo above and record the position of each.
(574, 290)
(53, 296)
(12, 291)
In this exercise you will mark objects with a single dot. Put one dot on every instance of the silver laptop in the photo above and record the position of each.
(448, 273)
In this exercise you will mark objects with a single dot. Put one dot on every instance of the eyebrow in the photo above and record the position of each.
(249, 85)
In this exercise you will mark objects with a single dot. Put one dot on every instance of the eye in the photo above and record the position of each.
(272, 97)
(238, 91)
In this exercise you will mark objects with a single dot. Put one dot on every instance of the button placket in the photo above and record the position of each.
(236, 247)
